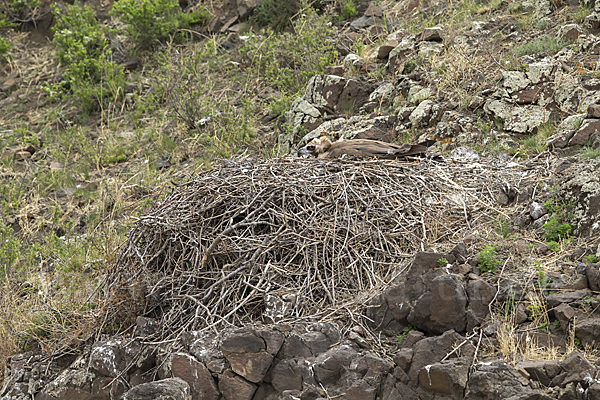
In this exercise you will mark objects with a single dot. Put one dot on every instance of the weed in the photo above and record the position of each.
(487, 260)
(589, 153)
(348, 11)
(591, 259)
(401, 338)
(543, 24)
(442, 262)
(544, 44)
(553, 246)
(580, 14)
(544, 281)
(286, 61)
(156, 20)
(557, 325)
(503, 227)
(276, 14)
(555, 231)
(5, 48)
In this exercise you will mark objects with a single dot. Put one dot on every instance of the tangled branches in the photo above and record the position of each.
(314, 237)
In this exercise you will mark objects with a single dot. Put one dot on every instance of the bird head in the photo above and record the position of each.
(315, 147)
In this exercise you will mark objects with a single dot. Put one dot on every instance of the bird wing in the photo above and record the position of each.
(365, 148)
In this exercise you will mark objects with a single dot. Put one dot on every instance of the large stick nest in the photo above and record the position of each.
(314, 238)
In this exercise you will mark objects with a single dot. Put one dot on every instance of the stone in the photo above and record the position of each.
(447, 378)
(515, 80)
(593, 110)
(441, 308)
(171, 389)
(576, 369)
(564, 314)
(197, 376)
(588, 129)
(476, 102)
(329, 366)
(587, 332)
(337, 70)
(569, 32)
(541, 371)
(568, 297)
(433, 349)
(537, 210)
(385, 49)
(425, 112)
(480, 294)
(498, 380)
(434, 34)
(592, 272)
(228, 24)
(145, 326)
(234, 387)
(582, 187)
(362, 22)
(247, 355)
(403, 358)
(373, 11)
(106, 358)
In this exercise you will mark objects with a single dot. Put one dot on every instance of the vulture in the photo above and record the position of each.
(363, 148)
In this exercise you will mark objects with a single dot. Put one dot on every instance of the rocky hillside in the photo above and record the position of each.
(160, 238)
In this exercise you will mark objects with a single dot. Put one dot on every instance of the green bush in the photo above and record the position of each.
(155, 20)
(276, 14)
(83, 48)
(17, 11)
(348, 11)
(487, 260)
(288, 60)
(5, 48)
(543, 44)
(442, 262)
(555, 231)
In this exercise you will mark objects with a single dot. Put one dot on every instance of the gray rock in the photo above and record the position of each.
(568, 298)
(447, 378)
(425, 112)
(234, 387)
(537, 210)
(498, 380)
(587, 332)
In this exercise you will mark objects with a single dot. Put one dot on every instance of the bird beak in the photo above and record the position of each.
(304, 152)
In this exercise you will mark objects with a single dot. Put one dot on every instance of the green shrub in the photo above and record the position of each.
(5, 48)
(442, 262)
(401, 338)
(591, 259)
(17, 11)
(276, 14)
(487, 260)
(155, 20)
(348, 11)
(83, 48)
(288, 60)
(544, 44)
(554, 230)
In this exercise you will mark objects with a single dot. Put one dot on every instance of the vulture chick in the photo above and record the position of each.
(363, 148)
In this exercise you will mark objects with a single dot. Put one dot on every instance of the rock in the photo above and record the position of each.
(447, 378)
(593, 111)
(352, 60)
(569, 32)
(107, 359)
(172, 389)
(480, 295)
(164, 162)
(587, 332)
(425, 112)
(337, 70)
(537, 210)
(592, 272)
(362, 22)
(590, 128)
(247, 355)
(373, 11)
(428, 49)
(22, 155)
(145, 326)
(432, 350)
(569, 297)
(434, 34)
(403, 358)
(583, 188)
(498, 380)
(476, 102)
(564, 314)
(329, 366)
(385, 49)
(234, 387)
(195, 374)
(464, 154)
(541, 371)
(441, 308)
(576, 369)
(515, 80)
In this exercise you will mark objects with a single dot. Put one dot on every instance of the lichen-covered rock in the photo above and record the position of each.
(425, 112)
(167, 389)
(583, 187)
(515, 80)
(190, 370)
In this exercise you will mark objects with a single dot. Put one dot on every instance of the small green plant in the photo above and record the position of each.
(442, 262)
(580, 14)
(543, 23)
(401, 338)
(577, 343)
(155, 20)
(557, 325)
(554, 230)
(5, 48)
(508, 308)
(348, 11)
(83, 48)
(591, 259)
(544, 281)
(487, 260)
(276, 14)
(589, 153)
(544, 44)
(503, 227)
(553, 246)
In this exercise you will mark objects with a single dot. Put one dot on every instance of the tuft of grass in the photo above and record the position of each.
(544, 44)
(589, 153)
